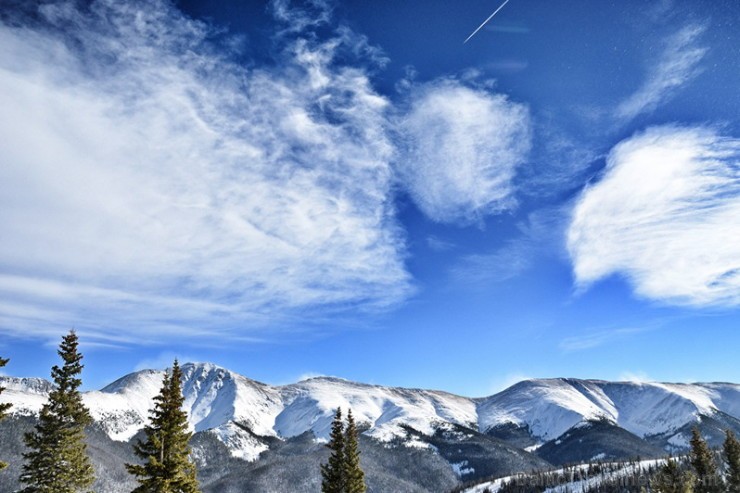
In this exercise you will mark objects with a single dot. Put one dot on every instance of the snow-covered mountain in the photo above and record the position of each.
(243, 413)
(225, 403)
(550, 407)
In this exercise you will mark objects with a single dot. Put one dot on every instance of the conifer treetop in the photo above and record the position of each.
(166, 464)
(673, 479)
(355, 477)
(342, 473)
(731, 451)
(57, 460)
(702, 460)
(3, 407)
(332, 473)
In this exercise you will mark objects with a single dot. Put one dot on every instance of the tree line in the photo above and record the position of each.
(703, 470)
(57, 459)
(706, 473)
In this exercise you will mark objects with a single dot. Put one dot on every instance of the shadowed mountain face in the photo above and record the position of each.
(596, 441)
(251, 436)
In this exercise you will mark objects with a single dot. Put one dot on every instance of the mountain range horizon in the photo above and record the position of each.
(534, 424)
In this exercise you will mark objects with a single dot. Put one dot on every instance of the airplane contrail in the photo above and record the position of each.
(486, 21)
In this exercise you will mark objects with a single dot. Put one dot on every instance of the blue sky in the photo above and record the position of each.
(345, 188)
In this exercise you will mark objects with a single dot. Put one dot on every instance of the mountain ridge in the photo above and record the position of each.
(248, 434)
(227, 404)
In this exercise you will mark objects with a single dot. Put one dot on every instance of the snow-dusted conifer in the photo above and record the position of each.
(355, 477)
(167, 467)
(732, 456)
(57, 460)
(333, 472)
(672, 479)
(702, 459)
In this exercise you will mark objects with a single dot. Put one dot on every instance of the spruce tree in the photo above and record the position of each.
(671, 479)
(57, 460)
(702, 459)
(355, 478)
(166, 467)
(333, 473)
(3, 408)
(732, 456)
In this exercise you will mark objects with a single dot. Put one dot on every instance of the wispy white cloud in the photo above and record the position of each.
(503, 264)
(503, 382)
(297, 17)
(561, 162)
(463, 145)
(152, 189)
(635, 377)
(677, 65)
(591, 340)
(439, 245)
(163, 361)
(540, 235)
(308, 375)
(664, 215)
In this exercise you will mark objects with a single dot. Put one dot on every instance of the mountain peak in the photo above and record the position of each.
(227, 403)
(32, 385)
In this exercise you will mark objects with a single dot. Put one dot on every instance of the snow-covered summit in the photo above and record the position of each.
(549, 407)
(310, 405)
(26, 394)
(227, 404)
(27, 385)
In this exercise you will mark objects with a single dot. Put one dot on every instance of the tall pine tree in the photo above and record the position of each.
(333, 472)
(702, 459)
(57, 460)
(3, 408)
(671, 479)
(355, 477)
(166, 467)
(732, 456)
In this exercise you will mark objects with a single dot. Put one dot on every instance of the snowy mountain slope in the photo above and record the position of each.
(549, 407)
(596, 440)
(226, 403)
(26, 394)
(725, 396)
(653, 408)
(215, 396)
(310, 405)
(243, 413)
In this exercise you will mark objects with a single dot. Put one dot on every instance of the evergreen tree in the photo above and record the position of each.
(57, 460)
(333, 473)
(167, 467)
(355, 478)
(3, 408)
(671, 479)
(702, 459)
(732, 456)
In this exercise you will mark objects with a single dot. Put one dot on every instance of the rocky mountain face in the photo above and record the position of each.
(250, 436)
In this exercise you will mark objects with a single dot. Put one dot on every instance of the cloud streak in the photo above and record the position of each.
(152, 188)
(665, 216)
(677, 65)
(596, 339)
